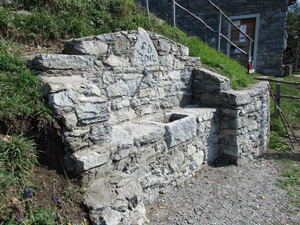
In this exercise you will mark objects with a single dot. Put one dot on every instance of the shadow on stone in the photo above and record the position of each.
(223, 161)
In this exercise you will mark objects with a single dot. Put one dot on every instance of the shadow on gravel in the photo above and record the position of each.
(295, 156)
(223, 161)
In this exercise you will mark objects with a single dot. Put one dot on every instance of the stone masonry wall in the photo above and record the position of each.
(272, 25)
(139, 116)
(244, 117)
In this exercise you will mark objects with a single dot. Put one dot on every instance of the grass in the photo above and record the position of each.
(17, 157)
(291, 110)
(278, 143)
(22, 201)
(22, 109)
(290, 107)
(20, 99)
(62, 19)
(290, 181)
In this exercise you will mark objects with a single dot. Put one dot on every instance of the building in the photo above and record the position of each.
(264, 21)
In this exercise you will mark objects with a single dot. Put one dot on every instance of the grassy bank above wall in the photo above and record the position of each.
(21, 104)
(54, 20)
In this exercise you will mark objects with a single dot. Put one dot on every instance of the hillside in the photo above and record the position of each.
(30, 192)
(45, 25)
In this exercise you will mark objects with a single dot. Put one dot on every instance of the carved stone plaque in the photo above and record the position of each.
(145, 52)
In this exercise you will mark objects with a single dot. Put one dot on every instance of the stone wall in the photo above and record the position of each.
(139, 116)
(272, 25)
(244, 118)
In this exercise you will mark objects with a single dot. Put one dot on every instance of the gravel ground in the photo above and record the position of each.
(228, 195)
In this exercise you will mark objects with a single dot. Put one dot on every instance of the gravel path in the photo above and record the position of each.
(228, 195)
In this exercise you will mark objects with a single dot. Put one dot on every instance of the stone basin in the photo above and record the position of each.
(179, 127)
(167, 118)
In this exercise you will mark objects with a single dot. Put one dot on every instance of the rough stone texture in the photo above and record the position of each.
(245, 115)
(63, 62)
(89, 113)
(77, 47)
(90, 158)
(114, 106)
(145, 52)
(272, 25)
(180, 131)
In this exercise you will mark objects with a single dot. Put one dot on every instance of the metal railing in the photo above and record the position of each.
(219, 33)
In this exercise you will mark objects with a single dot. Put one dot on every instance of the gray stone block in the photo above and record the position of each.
(69, 120)
(89, 113)
(122, 46)
(63, 99)
(211, 81)
(238, 98)
(105, 216)
(85, 47)
(91, 158)
(176, 160)
(146, 134)
(184, 51)
(145, 53)
(122, 88)
(75, 83)
(121, 137)
(117, 61)
(63, 62)
(163, 46)
(101, 133)
(180, 130)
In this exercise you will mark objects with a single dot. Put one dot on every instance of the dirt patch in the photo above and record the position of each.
(54, 191)
(43, 48)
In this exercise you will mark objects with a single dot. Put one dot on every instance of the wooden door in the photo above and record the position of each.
(248, 26)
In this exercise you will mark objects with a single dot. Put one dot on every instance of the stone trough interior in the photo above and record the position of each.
(168, 118)
(140, 116)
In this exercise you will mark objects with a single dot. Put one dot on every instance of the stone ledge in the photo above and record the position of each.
(63, 62)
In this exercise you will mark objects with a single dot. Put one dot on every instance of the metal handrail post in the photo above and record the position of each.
(277, 100)
(148, 12)
(174, 13)
(250, 57)
(219, 31)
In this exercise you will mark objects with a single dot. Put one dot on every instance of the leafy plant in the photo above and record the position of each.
(42, 216)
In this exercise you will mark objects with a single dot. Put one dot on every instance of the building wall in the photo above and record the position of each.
(271, 43)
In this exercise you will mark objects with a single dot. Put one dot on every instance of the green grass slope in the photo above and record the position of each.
(52, 20)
